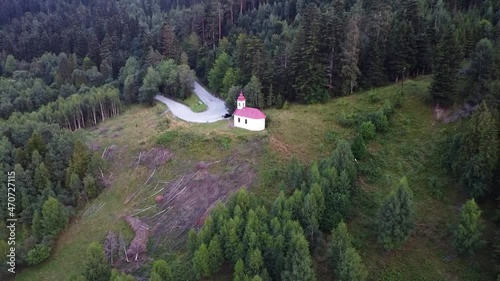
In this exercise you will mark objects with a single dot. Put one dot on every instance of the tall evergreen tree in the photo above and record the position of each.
(396, 217)
(467, 232)
(446, 63)
(344, 258)
(96, 266)
(478, 152)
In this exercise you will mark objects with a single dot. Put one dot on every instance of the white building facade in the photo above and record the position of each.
(248, 117)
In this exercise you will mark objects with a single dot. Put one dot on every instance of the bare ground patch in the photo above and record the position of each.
(188, 200)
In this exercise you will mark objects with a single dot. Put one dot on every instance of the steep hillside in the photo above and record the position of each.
(202, 154)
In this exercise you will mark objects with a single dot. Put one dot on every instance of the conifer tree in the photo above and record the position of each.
(216, 255)
(344, 258)
(478, 153)
(149, 88)
(467, 232)
(350, 50)
(201, 262)
(95, 266)
(396, 217)
(309, 83)
(161, 271)
(294, 174)
(446, 63)
(54, 217)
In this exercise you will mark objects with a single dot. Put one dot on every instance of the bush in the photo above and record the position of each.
(436, 187)
(379, 119)
(373, 97)
(359, 147)
(286, 105)
(38, 254)
(387, 108)
(347, 120)
(367, 130)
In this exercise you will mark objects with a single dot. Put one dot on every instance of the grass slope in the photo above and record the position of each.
(408, 149)
(310, 132)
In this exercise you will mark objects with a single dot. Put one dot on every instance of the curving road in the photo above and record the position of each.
(215, 107)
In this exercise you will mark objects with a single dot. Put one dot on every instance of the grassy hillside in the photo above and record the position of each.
(408, 148)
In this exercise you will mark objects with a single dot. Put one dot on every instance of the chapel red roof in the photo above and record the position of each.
(241, 97)
(250, 112)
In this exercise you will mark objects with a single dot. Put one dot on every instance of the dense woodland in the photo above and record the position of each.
(67, 65)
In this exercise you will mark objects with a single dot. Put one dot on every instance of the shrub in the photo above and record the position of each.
(373, 97)
(286, 105)
(379, 119)
(38, 254)
(224, 142)
(367, 130)
(347, 120)
(387, 108)
(359, 147)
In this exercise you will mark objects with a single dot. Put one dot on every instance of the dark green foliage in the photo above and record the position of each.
(343, 160)
(79, 162)
(396, 217)
(150, 84)
(38, 254)
(344, 258)
(96, 266)
(202, 263)
(446, 63)
(468, 230)
(367, 130)
(359, 147)
(118, 276)
(161, 271)
(475, 152)
(54, 217)
(295, 177)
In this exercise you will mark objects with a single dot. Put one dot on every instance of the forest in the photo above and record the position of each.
(69, 65)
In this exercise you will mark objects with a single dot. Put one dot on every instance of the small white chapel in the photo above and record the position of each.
(248, 117)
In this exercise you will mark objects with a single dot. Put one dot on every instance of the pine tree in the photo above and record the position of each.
(161, 271)
(216, 74)
(216, 255)
(446, 63)
(201, 262)
(467, 232)
(169, 47)
(350, 50)
(478, 153)
(309, 83)
(90, 186)
(96, 267)
(54, 217)
(239, 271)
(396, 217)
(298, 263)
(343, 160)
(344, 258)
(294, 174)
(42, 178)
(79, 162)
(149, 88)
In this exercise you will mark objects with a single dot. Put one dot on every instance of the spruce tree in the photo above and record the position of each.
(54, 217)
(161, 271)
(446, 63)
(477, 156)
(96, 266)
(201, 262)
(344, 258)
(216, 255)
(396, 217)
(467, 232)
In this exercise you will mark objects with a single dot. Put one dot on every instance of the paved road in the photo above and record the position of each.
(215, 107)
